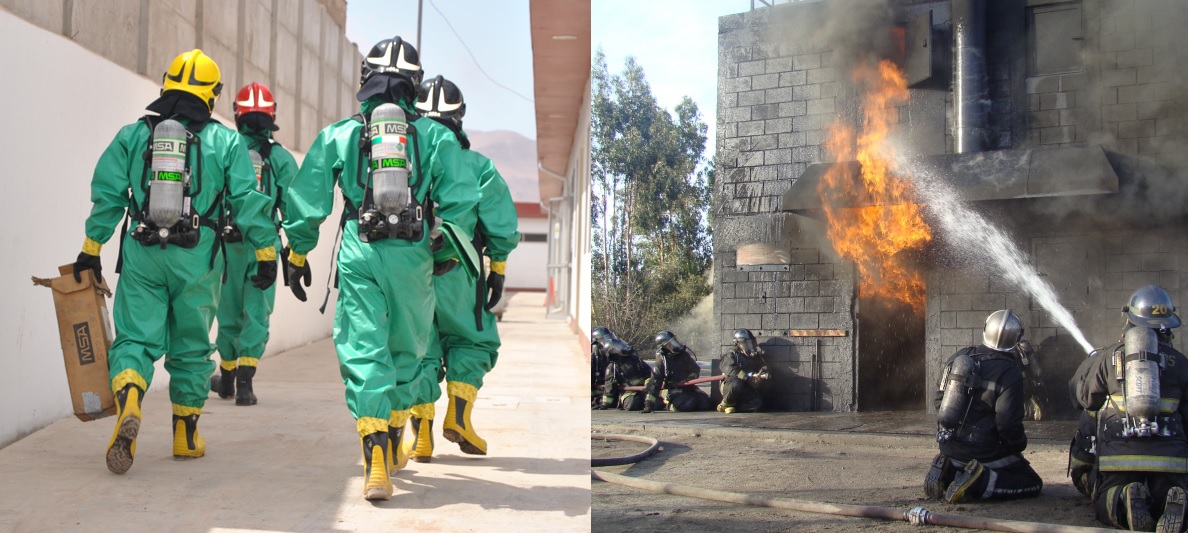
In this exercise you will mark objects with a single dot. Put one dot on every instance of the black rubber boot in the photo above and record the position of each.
(376, 485)
(224, 383)
(243, 386)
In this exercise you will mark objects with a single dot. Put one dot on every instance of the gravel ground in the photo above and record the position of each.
(878, 471)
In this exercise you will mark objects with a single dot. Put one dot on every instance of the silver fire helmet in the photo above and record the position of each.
(1003, 330)
(1151, 307)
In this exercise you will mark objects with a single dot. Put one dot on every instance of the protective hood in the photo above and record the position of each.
(390, 88)
(256, 124)
(461, 135)
(181, 104)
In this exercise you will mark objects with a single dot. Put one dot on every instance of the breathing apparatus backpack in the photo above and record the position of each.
(1137, 367)
(389, 209)
(961, 384)
(172, 176)
(262, 163)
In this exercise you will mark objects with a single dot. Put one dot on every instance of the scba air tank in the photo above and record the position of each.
(258, 165)
(167, 187)
(1141, 380)
(955, 400)
(389, 158)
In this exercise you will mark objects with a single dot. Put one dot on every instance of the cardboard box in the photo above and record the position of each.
(84, 326)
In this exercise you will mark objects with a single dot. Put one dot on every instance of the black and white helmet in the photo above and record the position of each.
(441, 100)
(391, 57)
(1003, 330)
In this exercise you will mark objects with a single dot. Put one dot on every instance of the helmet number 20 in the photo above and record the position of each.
(1159, 309)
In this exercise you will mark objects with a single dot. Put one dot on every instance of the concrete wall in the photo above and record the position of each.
(296, 47)
(781, 81)
(526, 264)
(59, 121)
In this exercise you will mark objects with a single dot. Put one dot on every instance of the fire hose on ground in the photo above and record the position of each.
(640, 388)
(916, 516)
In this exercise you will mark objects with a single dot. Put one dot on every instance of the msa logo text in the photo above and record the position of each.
(82, 339)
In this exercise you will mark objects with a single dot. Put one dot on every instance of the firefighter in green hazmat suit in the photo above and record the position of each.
(244, 310)
(172, 182)
(384, 313)
(466, 333)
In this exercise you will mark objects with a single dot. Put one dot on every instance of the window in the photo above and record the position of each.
(1054, 36)
(533, 237)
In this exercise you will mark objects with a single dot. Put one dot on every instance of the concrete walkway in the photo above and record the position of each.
(293, 462)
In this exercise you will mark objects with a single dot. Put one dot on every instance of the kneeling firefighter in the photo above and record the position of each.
(980, 418)
(675, 364)
(626, 369)
(171, 173)
(244, 310)
(746, 374)
(395, 169)
(1139, 390)
(465, 336)
(599, 337)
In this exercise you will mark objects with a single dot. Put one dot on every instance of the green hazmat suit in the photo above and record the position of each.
(384, 311)
(470, 353)
(244, 310)
(166, 298)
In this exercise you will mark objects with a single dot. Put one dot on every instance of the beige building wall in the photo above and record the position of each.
(296, 47)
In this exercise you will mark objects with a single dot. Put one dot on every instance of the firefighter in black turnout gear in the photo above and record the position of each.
(599, 337)
(675, 363)
(626, 369)
(980, 421)
(1137, 389)
(746, 373)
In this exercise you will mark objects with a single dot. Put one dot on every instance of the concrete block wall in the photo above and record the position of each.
(297, 48)
(1128, 97)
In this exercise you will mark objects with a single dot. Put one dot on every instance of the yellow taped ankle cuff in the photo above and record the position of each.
(424, 411)
(249, 361)
(227, 365)
(126, 377)
(185, 410)
(368, 425)
(462, 390)
(397, 419)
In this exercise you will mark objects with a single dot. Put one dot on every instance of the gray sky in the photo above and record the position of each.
(676, 43)
(497, 33)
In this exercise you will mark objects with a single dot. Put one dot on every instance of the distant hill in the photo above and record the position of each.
(514, 156)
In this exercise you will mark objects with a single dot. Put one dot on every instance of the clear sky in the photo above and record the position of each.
(497, 33)
(676, 43)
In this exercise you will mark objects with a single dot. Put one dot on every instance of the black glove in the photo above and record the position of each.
(297, 275)
(265, 274)
(495, 285)
(87, 261)
(284, 266)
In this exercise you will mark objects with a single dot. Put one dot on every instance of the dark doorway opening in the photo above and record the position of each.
(891, 370)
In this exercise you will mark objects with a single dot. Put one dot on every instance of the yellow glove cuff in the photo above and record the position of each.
(296, 259)
(91, 247)
(266, 254)
(499, 267)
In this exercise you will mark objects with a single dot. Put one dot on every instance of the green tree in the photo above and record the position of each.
(651, 185)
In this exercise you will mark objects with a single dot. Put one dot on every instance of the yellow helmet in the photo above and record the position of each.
(196, 73)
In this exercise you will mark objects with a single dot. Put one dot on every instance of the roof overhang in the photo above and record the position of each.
(561, 73)
(982, 176)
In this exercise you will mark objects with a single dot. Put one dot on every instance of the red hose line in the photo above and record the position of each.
(639, 388)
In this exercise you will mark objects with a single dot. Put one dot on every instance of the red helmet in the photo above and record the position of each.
(254, 98)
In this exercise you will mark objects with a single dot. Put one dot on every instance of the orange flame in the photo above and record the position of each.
(873, 237)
